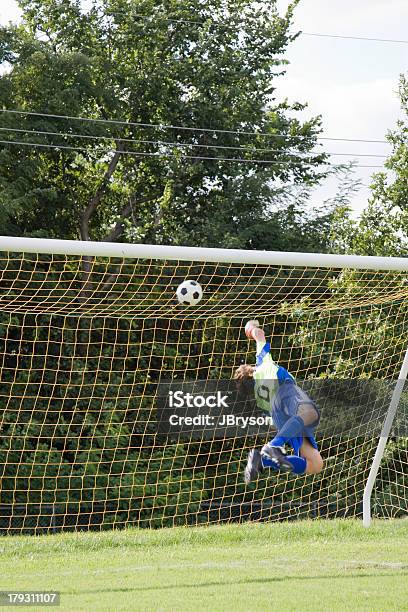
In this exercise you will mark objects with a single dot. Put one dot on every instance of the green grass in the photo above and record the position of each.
(336, 565)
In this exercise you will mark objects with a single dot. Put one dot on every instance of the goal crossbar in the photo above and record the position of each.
(211, 255)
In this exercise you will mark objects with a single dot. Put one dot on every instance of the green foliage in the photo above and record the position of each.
(129, 62)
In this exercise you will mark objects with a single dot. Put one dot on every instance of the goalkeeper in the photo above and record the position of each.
(294, 414)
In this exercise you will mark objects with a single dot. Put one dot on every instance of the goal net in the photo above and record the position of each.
(90, 332)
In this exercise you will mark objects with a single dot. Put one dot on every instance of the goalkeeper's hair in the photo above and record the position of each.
(244, 377)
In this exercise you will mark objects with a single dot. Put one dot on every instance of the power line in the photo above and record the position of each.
(221, 24)
(153, 142)
(346, 37)
(181, 144)
(154, 154)
(181, 156)
(187, 128)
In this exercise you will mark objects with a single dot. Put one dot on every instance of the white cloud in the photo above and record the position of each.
(9, 11)
(350, 110)
(379, 18)
(365, 110)
(374, 17)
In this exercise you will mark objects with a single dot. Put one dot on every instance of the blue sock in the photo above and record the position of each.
(291, 429)
(298, 463)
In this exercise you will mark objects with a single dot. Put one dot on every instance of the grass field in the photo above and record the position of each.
(336, 565)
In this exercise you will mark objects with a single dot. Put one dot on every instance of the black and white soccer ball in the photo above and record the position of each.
(189, 293)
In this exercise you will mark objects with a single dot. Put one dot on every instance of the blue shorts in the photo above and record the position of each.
(286, 405)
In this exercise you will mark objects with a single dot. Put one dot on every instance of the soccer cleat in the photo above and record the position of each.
(277, 454)
(254, 466)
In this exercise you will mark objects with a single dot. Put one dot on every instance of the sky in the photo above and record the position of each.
(353, 84)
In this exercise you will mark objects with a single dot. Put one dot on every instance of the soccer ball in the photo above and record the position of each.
(189, 292)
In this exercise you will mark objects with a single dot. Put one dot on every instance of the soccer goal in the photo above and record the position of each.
(90, 332)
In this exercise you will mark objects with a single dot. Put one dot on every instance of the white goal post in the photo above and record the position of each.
(217, 256)
(181, 253)
(389, 419)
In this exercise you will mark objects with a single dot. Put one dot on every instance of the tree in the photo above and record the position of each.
(134, 67)
(382, 228)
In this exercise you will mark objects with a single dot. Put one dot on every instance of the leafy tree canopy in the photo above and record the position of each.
(144, 65)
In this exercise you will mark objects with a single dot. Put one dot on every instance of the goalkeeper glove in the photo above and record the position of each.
(249, 328)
